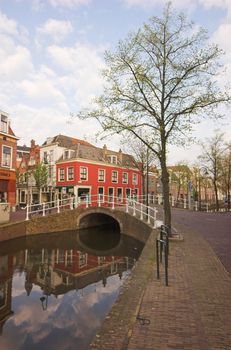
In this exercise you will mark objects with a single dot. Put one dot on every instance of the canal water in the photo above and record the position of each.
(56, 289)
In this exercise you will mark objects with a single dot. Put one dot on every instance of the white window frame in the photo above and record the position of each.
(119, 199)
(100, 195)
(124, 181)
(114, 180)
(68, 177)
(112, 159)
(104, 177)
(134, 178)
(60, 174)
(80, 175)
(11, 152)
(4, 124)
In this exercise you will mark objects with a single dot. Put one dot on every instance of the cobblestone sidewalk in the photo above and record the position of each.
(193, 312)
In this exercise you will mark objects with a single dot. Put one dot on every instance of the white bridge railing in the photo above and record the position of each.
(131, 205)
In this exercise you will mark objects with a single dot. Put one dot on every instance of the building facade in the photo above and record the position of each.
(8, 147)
(27, 160)
(50, 152)
(88, 172)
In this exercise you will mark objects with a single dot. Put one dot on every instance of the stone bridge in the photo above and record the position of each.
(80, 218)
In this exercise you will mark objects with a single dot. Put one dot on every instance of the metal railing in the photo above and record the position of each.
(132, 206)
(162, 247)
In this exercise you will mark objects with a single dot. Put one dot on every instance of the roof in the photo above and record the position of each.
(65, 141)
(102, 155)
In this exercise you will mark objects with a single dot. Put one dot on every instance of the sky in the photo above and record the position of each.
(52, 51)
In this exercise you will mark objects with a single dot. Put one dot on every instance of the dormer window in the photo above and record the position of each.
(67, 154)
(112, 159)
(3, 123)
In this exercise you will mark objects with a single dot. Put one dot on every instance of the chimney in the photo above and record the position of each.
(120, 156)
(104, 151)
(32, 144)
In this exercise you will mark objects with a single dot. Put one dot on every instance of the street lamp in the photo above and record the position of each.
(205, 172)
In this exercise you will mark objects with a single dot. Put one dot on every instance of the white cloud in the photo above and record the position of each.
(57, 30)
(7, 25)
(81, 65)
(68, 3)
(15, 61)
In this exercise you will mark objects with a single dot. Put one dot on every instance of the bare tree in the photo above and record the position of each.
(212, 160)
(159, 82)
(226, 174)
(143, 156)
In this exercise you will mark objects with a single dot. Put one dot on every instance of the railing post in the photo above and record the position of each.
(76, 201)
(196, 206)
(99, 200)
(157, 260)
(148, 215)
(154, 217)
(71, 203)
(141, 211)
(113, 202)
(134, 208)
(58, 208)
(185, 203)
(44, 213)
(27, 212)
(87, 203)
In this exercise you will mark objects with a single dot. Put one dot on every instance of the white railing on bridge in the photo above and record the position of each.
(134, 206)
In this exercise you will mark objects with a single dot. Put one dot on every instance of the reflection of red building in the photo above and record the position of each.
(87, 171)
(6, 272)
(8, 146)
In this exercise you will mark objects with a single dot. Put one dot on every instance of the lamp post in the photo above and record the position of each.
(205, 172)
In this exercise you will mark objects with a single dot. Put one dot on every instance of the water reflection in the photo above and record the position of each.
(54, 294)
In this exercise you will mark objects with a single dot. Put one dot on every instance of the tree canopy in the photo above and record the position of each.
(160, 81)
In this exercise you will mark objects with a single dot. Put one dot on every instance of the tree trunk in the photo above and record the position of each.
(216, 196)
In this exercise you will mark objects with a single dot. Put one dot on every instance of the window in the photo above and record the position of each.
(70, 174)
(83, 173)
(119, 195)
(6, 156)
(3, 123)
(66, 154)
(101, 194)
(82, 259)
(134, 179)
(101, 175)
(125, 178)
(114, 177)
(61, 174)
(112, 159)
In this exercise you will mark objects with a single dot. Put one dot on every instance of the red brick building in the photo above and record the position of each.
(8, 147)
(85, 170)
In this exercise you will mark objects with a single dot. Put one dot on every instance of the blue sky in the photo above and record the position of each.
(52, 51)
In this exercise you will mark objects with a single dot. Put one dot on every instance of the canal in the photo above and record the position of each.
(56, 289)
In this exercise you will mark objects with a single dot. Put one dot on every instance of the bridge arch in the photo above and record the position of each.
(99, 216)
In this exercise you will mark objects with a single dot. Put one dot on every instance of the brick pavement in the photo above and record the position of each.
(194, 312)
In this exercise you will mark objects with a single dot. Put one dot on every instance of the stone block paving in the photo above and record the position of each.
(192, 313)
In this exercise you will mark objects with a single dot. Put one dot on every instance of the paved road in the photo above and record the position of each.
(214, 227)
